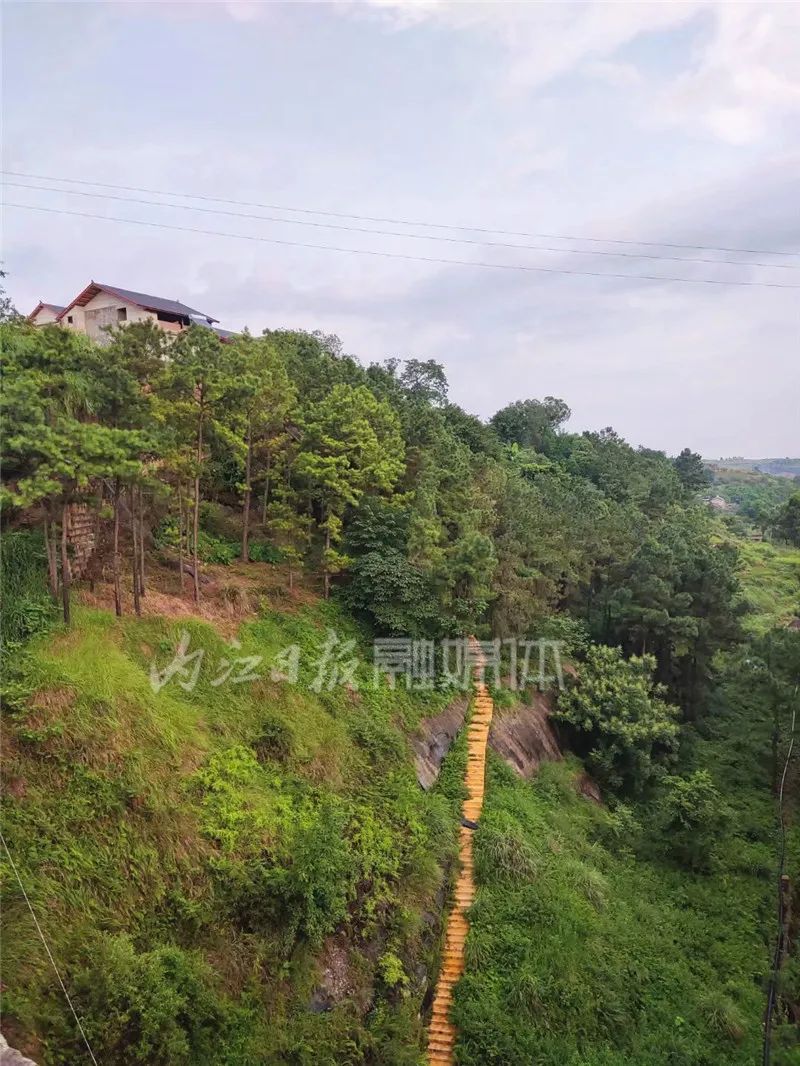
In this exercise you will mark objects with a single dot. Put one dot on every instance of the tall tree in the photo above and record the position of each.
(351, 445)
(787, 522)
(264, 401)
(530, 423)
(202, 383)
(691, 470)
(55, 453)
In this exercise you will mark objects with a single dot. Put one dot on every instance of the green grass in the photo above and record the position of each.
(770, 576)
(589, 946)
(238, 825)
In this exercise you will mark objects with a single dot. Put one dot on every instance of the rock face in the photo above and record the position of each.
(338, 980)
(524, 736)
(433, 740)
(10, 1057)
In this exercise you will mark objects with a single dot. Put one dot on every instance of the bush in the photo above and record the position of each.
(210, 549)
(694, 818)
(619, 718)
(154, 1008)
(27, 607)
(274, 741)
(261, 551)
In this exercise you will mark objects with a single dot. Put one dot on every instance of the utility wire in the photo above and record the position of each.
(776, 962)
(396, 233)
(49, 952)
(399, 221)
(401, 255)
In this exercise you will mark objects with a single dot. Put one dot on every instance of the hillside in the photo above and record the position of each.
(257, 855)
(242, 589)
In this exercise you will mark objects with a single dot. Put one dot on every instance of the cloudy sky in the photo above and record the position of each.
(673, 123)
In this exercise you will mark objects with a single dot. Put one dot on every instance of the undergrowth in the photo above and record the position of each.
(591, 945)
(190, 854)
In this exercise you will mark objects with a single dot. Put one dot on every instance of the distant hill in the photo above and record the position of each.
(784, 467)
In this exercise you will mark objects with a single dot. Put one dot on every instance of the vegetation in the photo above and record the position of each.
(757, 496)
(213, 804)
(189, 852)
(634, 934)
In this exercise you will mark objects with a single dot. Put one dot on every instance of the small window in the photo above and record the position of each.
(69, 319)
(122, 314)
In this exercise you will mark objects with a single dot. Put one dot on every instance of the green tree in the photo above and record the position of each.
(691, 470)
(619, 718)
(694, 818)
(787, 523)
(351, 445)
(385, 587)
(54, 451)
(264, 401)
(530, 423)
(203, 383)
(125, 373)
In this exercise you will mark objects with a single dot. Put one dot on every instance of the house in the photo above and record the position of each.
(45, 314)
(99, 306)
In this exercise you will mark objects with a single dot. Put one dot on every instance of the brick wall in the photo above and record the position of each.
(82, 535)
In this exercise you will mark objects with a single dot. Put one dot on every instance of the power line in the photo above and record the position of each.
(47, 949)
(400, 221)
(401, 255)
(395, 233)
(779, 944)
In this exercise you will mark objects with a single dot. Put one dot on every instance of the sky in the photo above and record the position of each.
(673, 123)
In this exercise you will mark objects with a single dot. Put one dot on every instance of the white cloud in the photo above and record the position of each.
(744, 73)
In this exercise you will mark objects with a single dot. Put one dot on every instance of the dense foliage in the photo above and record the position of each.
(250, 873)
(433, 521)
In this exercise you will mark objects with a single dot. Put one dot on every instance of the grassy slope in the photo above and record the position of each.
(238, 824)
(589, 947)
(770, 575)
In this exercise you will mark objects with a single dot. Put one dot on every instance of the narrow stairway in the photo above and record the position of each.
(442, 1033)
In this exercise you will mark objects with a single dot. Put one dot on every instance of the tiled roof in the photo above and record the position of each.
(141, 299)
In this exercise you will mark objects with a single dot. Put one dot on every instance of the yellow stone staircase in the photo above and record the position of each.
(442, 1033)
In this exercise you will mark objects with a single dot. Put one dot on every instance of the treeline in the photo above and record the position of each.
(429, 520)
(762, 499)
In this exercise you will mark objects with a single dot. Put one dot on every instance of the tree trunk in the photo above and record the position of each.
(180, 533)
(291, 578)
(135, 535)
(267, 482)
(52, 562)
(196, 522)
(248, 492)
(327, 575)
(117, 583)
(141, 540)
(66, 577)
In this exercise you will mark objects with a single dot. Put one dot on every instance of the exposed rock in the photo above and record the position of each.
(10, 1057)
(588, 787)
(338, 980)
(433, 740)
(524, 736)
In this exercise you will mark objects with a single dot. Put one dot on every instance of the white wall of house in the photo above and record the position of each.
(45, 316)
(104, 310)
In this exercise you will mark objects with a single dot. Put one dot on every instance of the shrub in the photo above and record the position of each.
(694, 818)
(619, 718)
(261, 551)
(274, 741)
(27, 607)
(210, 548)
(154, 1008)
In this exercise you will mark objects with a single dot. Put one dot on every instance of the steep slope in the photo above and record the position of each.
(250, 867)
(441, 1032)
